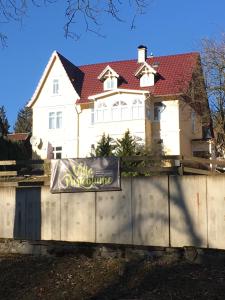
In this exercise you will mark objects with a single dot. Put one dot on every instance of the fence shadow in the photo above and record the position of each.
(151, 221)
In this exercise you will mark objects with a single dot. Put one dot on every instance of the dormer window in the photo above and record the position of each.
(147, 80)
(110, 83)
(109, 78)
(146, 74)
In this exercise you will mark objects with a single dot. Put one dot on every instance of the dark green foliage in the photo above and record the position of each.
(4, 124)
(126, 146)
(104, 147)
(24, 120)
(14, 150)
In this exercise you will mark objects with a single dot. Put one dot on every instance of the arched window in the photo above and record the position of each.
(120, 111)
(101, 113)
(137, 109)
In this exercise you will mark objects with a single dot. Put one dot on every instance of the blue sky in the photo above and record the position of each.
(167, 27)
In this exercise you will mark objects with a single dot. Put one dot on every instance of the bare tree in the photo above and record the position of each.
(213, 59)
(77, 13)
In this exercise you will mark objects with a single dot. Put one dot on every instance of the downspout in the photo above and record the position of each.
(78, 111)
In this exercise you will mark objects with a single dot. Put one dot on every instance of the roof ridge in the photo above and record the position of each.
(134, 59)
(107, 62)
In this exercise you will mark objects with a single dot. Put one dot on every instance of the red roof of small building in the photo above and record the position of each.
(17, 137)
(174, 73)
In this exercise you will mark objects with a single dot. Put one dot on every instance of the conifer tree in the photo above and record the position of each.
(104, 147)
(4, 124)
(24, 120)
(126, 146)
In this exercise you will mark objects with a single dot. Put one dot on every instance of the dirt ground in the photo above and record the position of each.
(73, 277)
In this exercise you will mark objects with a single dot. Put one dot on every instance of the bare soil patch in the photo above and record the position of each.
(73, 277)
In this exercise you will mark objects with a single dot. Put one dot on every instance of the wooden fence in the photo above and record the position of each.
(37, 172)
(162, 211)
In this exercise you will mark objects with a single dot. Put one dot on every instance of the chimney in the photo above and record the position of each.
(142, 54)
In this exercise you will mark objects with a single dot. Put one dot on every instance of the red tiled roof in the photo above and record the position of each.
(174, 74)
(18, 136)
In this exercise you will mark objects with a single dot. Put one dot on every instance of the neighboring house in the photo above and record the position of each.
(16, 146)
(161, 100)
(18, 137)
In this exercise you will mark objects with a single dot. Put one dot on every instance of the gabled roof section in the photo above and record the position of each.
(74, 75)
(174, 72)
(145, 65)
(107, 69)
(43, 79)
(174, 75)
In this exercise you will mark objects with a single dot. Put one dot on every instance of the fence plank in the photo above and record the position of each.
(8, 173)
(78, 217)
(197, 171)
(7, 162)
(188, 211)
(7, 212)
(113, 215)
(150, 211)
(216, 211)
(204, 161)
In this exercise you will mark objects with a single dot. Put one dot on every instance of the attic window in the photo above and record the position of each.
(109, 77)
(147, 80)
(110, 83)
(146, 74)
(55, 87)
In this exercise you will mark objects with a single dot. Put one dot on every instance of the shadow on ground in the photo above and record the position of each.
(81, 277)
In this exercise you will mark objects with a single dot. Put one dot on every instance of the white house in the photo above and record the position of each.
(151, 96)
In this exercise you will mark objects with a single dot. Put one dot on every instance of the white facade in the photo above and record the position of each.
(64, 129)
(53, 104)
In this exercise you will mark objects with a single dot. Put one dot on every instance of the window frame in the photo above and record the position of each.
(145, 80)
(110, 83)
(55, 120)
(55, 87)
(101, 110)
(57, 153)
(139, 107)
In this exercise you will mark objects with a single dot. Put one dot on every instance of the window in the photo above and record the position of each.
(92, 116)
(57, 152)
(51, 119)
(137, 109)
(55, 120)
(144, 81)
(124, 110)
(206, 132)
(58, 119)
(101, 113)
(120, 111)
(110, 83)
(158, 108)
(116, 111)
(55, 87)
(147, 80)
